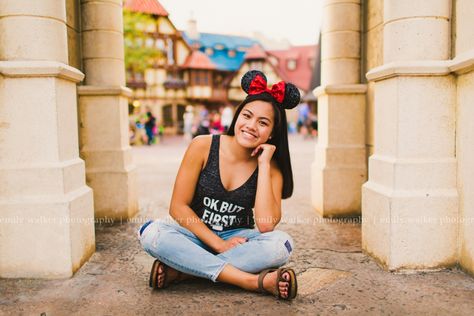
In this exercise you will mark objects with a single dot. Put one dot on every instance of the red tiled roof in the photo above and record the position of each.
(301, 76)
(256, 52)
(146, 6)
(198, 60)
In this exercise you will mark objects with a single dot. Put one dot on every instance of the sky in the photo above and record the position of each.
(297, 21)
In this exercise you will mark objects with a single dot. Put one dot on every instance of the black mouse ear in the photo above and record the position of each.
(292, 96)
(248, 78)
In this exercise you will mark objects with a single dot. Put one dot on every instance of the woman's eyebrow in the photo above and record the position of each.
(261, 117)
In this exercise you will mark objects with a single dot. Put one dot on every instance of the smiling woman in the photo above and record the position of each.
(227, 185)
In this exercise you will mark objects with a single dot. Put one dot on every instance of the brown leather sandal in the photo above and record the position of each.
(153, 281)
(292, 283)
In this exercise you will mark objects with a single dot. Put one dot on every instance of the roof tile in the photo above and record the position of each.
(198, 60)
(146, 6)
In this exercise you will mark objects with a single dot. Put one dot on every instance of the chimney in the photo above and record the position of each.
(192, 31)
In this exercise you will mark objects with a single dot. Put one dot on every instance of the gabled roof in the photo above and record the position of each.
(198, 60)
(145, 6)
(301, 75)
(221, 45)
(256, 52)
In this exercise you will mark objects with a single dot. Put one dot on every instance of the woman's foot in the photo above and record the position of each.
(171, 275)
(270, 280)
(162, 275)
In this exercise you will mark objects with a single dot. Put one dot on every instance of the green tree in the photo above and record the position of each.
(138, 56)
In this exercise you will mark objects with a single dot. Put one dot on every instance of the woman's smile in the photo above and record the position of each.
(249, 135)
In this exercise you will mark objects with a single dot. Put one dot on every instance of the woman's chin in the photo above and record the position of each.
(247, 143)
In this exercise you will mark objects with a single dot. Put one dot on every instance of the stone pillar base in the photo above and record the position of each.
(46, 237)
(109, 168)
(398, 224)
(339, 168)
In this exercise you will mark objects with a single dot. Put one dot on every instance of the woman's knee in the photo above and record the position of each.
(283, 245)
(150, 235)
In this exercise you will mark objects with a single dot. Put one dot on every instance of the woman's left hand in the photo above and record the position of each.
(266, 152)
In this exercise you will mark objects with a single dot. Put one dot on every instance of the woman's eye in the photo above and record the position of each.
(246, 115)
(262, 123)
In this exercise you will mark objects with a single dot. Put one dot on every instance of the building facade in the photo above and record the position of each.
(203, 70)
(161, 86)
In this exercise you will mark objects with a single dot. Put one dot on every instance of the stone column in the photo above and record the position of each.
(46, 210)
(410, 203)
(339, 168)
(103, 111)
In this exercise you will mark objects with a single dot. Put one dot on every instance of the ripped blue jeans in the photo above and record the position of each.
(180, 249)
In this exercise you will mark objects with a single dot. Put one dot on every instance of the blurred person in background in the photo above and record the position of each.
(150, 128)
(226, 117)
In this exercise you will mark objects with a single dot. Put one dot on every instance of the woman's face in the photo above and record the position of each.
(254, 124)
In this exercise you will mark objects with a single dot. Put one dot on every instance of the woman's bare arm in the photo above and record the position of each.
(268, 199)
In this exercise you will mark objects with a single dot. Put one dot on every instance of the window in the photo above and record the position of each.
(159, 44)
(205, 78)
(196, 80)
(209, 51)
(291, 64)
(256, 65)
(138, 76)
(273, 60)
(219, 46)
(231, 53)
(149, 42)
(167, 115)
(139, 41)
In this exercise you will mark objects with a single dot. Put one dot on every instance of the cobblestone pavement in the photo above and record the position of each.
(335, 277)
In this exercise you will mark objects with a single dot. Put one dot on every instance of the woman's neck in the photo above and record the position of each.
(237, 151)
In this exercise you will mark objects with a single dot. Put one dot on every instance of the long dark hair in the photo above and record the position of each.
(279, 139)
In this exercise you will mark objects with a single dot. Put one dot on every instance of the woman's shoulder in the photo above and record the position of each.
(201, 141)
(200, 145)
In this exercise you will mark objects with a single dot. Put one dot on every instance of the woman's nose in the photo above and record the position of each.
(252, 124)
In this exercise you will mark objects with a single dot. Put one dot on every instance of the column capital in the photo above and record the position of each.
(340, 89)
(40, 69)
(105, 91)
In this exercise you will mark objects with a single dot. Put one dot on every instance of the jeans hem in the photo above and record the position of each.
(216, 275)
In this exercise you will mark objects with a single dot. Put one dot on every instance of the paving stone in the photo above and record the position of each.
(314, 279)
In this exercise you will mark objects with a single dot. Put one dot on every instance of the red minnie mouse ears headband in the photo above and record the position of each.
(254, 82)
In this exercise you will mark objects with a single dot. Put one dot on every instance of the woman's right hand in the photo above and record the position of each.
(230, 243)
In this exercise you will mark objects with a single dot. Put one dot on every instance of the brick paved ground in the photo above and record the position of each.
(335, 277)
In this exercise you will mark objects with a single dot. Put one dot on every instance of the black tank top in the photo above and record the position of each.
(218, 208)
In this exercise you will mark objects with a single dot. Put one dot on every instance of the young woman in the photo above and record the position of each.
(225, 186)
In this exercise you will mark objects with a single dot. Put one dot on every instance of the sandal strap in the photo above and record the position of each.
(261, 276)
(165, 275)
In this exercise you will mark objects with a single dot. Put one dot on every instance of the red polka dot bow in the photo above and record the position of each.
(259, 85)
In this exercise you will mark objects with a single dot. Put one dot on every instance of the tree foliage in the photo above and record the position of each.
(138, 56)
